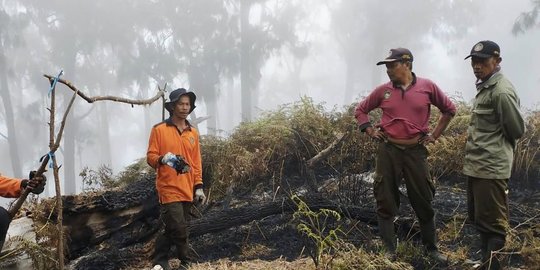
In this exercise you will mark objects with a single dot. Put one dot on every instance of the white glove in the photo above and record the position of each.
(199, 196)
(169, 159)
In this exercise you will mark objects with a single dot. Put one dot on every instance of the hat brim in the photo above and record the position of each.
(386, 61)
(481, 55)
(192, 97)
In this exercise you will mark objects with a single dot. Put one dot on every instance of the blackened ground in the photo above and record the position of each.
(276, 237)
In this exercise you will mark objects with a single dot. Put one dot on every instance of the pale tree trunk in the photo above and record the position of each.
(69, 155)
(349, 81)
(212, 111)
(10, 119)
(70, 132)
(245, 62)
(105, 141)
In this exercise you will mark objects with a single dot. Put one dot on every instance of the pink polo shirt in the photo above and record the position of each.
(405, 114)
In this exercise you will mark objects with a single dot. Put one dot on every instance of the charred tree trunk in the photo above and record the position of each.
(126, 217)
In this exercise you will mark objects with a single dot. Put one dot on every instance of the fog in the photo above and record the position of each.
(240, 57)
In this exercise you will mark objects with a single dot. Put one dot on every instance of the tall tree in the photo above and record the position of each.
(528, 19)
(11, 27)
(263, 33)
(364, 31)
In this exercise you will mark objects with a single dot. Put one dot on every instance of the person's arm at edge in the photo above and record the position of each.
(10, 187)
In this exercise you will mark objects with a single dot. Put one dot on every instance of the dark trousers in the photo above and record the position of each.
(174, 216)
(394, 163)
(487, 203)
(5, 219)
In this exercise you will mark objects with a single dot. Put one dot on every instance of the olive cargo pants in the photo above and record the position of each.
(394, 163)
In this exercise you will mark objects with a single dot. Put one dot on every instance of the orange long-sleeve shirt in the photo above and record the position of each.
(10, 187)
(165, 137)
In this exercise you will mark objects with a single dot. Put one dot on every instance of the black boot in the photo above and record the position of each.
(429, 240)
(491, 260)
(386, 231)
(484, 237)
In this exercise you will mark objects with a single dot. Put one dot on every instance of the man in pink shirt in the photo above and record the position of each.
(404, 131)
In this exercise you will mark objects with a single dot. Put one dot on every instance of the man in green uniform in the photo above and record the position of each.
(496, 125)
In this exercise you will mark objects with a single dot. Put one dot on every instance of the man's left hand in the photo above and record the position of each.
(427, 139)
(200, 198)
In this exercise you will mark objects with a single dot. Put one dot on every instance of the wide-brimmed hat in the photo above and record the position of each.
(175, 95)
(485, 49)
(397, 54)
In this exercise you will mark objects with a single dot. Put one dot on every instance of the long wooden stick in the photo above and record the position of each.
(53, 146)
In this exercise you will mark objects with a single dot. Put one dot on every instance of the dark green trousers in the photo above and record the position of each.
(174, 216)
(5, 219)
(394, 163)
(487, 202)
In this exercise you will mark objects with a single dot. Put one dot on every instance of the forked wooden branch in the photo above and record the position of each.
(53, 146)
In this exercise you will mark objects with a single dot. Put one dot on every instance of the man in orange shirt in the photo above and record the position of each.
(174, 151)
(12, 188)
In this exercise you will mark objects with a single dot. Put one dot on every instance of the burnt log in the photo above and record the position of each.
(124, 217)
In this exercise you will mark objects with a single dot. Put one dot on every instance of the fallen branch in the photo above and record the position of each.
(328, 150)
(308, 165)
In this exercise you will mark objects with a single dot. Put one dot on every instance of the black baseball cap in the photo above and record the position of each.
(485, 49)
(397, 54)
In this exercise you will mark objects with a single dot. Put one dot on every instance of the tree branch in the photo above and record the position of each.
(88, 99)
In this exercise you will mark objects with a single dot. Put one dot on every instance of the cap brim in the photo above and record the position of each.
(481, 55)
(386, 61)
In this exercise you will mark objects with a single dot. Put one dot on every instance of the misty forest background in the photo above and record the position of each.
(240, 57)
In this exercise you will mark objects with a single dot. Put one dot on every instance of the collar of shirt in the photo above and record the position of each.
(169, 122)
(480, 81)
(412, 83)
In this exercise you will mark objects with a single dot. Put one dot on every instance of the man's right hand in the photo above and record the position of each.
(176, 162)
(36, 184)
(169, 159)
(375, 134)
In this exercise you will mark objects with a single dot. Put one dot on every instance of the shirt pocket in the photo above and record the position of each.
(485, 119)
